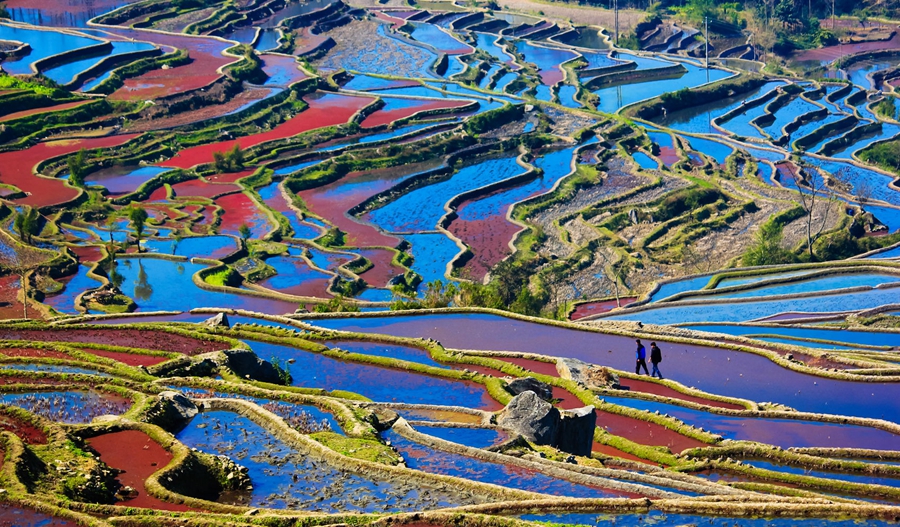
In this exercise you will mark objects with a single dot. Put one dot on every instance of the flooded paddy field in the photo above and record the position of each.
(369, 264)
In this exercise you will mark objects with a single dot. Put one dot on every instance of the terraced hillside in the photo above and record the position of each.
(275, 262)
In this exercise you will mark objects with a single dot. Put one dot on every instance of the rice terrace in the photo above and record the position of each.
(434, 263)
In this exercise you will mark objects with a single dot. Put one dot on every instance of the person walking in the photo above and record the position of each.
(655, 359)
(641, 355)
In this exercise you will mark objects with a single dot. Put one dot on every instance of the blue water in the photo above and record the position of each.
(65, 73)
(855, 478)
(462, 90)
(867, 338)
(890, 253)
(486, 41)
(93, 83)
(785, 433)
(368, 82)
(731, 282)
(214, 247)
(273, 465)
(326, 260)
(268, 39)
(503, 81)
(427, 459)
(282, 409)
(125, 183)
(740, 124)
(488, 75)
(811, 127)
(431, 252)
(699, 119)
(795, 342)
(434, 37)
(53, 368)
(766, 172)
(745, 311)
(381, 349)
(290, 169)
(43, 44)
(70, 407)
(375, 294)
(313, 370)
(567, 96)
(814, 285)
(421, 209)
(64, 302)
(645, 161)
(548, 58)
(301, 229)
(472, 437)
(612, 98)
(292, 273)
(852, 174)
(680, 286)
(164, 285)
(702, 367)
(555, 165)
(788, 113)
(244, 35)
(420, 91)
(660, 518)
(542, 93)
(714, 149)
(887, 131)
(455, 66)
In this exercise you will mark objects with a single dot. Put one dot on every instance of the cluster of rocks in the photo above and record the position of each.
(531, 415)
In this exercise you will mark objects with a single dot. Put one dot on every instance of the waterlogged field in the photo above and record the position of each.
(291, 262)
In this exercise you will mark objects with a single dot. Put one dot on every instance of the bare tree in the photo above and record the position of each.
(863, 191)
(20, 261)
(817, 198)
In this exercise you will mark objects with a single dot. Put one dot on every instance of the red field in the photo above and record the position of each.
(388, 115)
(36, 111)
(206, 61)
(127, 337)
(325, 109)
(137, 457)
(200, 188)
(18, 168)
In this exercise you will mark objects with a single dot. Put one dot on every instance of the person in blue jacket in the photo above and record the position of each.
(641, 355)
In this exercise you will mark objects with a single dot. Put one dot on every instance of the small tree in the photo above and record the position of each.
(19, 262)
(77, 168)
(244, 231)
(817, 199)
(138, 217)
(27, 223)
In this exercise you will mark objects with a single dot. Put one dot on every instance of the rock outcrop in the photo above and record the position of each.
(588, 374)
(248, 365)
(530, 384)
(531, 417)
(576, 431)
(541, 423)
(218, 321)
(172, 411)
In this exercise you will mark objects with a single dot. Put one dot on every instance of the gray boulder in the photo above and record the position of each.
(172, 411)
(586, 373)
(531, 417)
(247, 364)
(576, 431)
(218, 321)
(530, 384)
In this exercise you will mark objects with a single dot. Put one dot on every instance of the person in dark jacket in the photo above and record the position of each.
(641, 356)
(655, 359)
